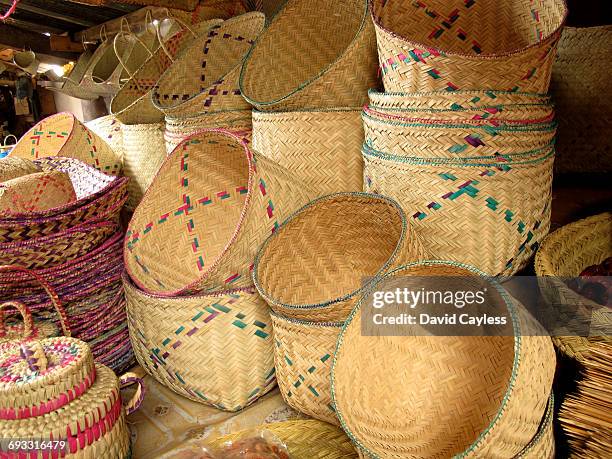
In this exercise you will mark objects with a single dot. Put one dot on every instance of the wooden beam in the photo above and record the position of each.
(32, 27)
(62, 43)
(135, 19)
(23, 6)
(39, 43)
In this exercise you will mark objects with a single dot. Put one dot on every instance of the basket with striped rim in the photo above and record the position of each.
(35, 192)
(144, 153)
(305, 439)
(109, 129)
(295, 65)
(458, 44)
(178, 129)
(303, 354)
(496, 410)
(212, 203)
(168, 334)
(492, 215)
(314, 266)
(133, 104)
(204, 77)
(11, 168)
(321, 147)
(424, 138)
(64, 135)
(449, 100)
(564, 254)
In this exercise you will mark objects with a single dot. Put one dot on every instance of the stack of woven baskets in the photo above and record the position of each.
(464, 138)
(72, 248)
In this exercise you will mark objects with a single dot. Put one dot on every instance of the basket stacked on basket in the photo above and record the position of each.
(75, 250)
(464, 138)
(188, 252)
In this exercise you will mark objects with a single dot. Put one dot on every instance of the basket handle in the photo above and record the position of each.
(28, 322)
(127, 380)
(6, 140)
(161, 41)
(50, 292)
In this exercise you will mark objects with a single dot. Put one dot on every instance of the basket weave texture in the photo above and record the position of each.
(35, 192)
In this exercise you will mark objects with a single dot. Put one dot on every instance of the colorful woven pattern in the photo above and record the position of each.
(109, 129)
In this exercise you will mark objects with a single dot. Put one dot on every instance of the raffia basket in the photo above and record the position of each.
(492, 215)
(109, 129)
(305, 439)
(564, 254)
(178, 129)
(144, 153)
(303, 354)
(211, 205)
(35, 192)
(11, 168)
(580, 76)
(133, 104)
(295, 65)
(64, 135)
(204, 78)
(71, 83)
(494, 412)
(168, 335)
(314, 266)
(467, 44)
(542, 446)
(321, 147)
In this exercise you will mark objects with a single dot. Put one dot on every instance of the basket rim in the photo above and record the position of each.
(83, 228)
(515, 365)
(296, 214)
(546, 422)
(306, 323)
(263, 113)
(239, 223)
(303, 85)
(544, 41)
(418, 94)
(191, 116)
(377, 106)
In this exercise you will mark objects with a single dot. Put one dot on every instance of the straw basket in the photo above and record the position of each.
(35, 192)
(168, 335)
(303, 354)
(492, 215)
(144, 153)
(70, 86)
(564, 254)
(64, 135)
(109, 129)
(323, 148)
(209, 207)
(314, 266)
(178, 129)
(467, 44)
(542, 446)
(486, 398)
(11, 168)
(296, 65)
(579, 78)
(305, 439)
(204, 78)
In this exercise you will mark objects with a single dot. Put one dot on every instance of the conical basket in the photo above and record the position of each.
(212, 203)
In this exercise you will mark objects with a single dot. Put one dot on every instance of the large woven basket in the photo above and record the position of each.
(109, 129)
(467, 44)
(133, 104)
(486, 398)
(492, 215)
(204, 78)
(323, 148)
(35, 192)
(314, 267)
(70, 86)
(234, 327)
(144, 153)
(318, 54)
(64, 135)
(305, 439)
(209, 207)
(579, 77)
(564, 254)
(542, 446)
(303, 354)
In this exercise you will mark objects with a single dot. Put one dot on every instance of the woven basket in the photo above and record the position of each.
(209, 207)
(234, 327)
(303, 354)
(495, 410)
(178, 129)
(542, 446)
(467, 44)
(492, 215)
(14, 328)
(108, 128)
(580, 76)
(35, 192)
(305, 439)
(565, 253)
(64, 135)
(133, 104)
(145, 151)
(204, 77)
(314, 266)
(322, 148)
(11, 168)
(295, 64)
(70, 86)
